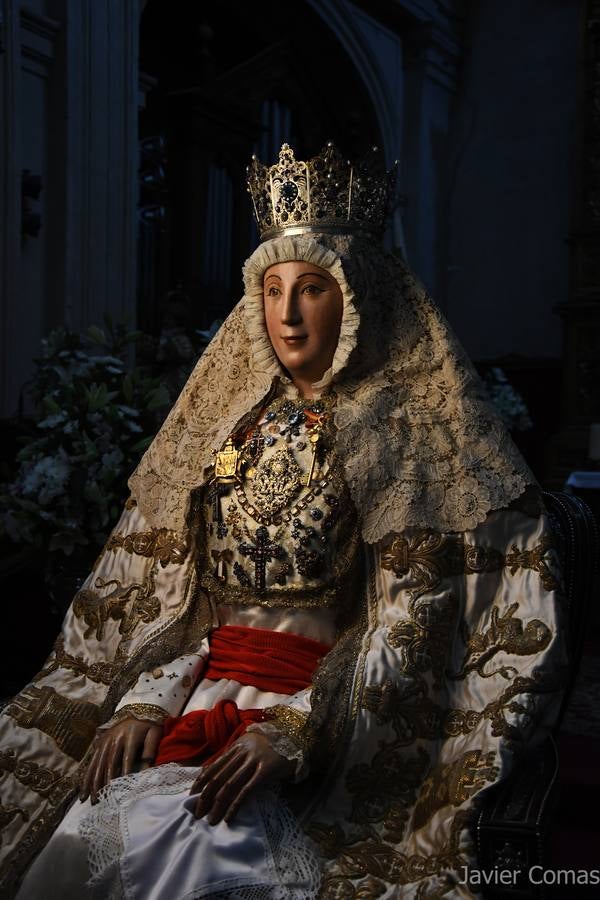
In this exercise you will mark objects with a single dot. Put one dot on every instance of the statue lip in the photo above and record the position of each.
(293, 338)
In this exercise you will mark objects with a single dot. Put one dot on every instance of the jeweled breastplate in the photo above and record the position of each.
(281, 527)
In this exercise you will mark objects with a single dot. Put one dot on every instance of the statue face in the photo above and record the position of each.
(303, 314)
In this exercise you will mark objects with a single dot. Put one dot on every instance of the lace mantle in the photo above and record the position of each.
(421, 443)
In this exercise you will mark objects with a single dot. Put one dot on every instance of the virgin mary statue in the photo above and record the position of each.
(328, 619)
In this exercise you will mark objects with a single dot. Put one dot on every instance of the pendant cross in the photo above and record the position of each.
(261, 552)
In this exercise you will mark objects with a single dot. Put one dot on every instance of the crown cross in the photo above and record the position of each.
(325, 193)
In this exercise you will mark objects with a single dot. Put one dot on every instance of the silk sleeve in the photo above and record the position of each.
(285, 730)
(164, 690)
(473, 646)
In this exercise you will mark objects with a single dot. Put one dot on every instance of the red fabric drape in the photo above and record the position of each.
(202, 735)
(269, 660)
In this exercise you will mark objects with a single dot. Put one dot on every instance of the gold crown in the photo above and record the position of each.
(325, 193)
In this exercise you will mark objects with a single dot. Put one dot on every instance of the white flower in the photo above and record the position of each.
(48, 477)
(53, 420)
(113, 459)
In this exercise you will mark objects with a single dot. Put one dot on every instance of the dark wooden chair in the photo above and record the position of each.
(516, 815)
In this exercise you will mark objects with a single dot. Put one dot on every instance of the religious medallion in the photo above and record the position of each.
(276, 481)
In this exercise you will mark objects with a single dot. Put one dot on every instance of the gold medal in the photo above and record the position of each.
(227, 464)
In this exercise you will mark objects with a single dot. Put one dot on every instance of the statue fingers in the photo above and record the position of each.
(211, 790)
(241, 795)
(230, 792)
(99, 779)
(114, 758)
(213, 769)
(151, 742)
(84, 792)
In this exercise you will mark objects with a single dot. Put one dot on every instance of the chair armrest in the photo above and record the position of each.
(516, 814)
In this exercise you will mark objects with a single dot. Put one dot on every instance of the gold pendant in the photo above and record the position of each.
(276, 481)
(314, 439)
(227, 464)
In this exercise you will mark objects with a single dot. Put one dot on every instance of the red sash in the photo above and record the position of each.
(269, 660)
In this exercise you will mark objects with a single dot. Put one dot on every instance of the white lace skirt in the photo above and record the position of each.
(141, 841)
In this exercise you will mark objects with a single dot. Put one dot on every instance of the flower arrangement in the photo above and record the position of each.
(93, 417)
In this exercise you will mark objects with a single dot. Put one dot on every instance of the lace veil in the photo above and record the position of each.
(420, 442)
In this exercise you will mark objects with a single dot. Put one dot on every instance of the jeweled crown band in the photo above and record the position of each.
(323, 194)
(316, 229)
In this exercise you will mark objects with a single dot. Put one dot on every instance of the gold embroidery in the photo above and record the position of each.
(454, 783)
(37, 834)
(44, 782)
(96, 610)
(70, 723)
(290, 721)
(463, 721)
(538, 683)
(159, 543)
(407, 706)
(182, 633)
(8, 813)
(506, 634)
(426, 636)
(427, 556)
(354, 860)
(142, 711)
(384, 789)
(368, 888)
(539, 559)
(99, 672)
(275, 598)
(338, 677)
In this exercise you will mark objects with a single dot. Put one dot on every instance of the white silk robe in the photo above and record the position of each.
(452, 664)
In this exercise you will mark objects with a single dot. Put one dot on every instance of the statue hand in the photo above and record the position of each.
(117, 750)
(222, 785)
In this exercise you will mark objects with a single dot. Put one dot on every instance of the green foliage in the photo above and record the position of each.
(94, 416)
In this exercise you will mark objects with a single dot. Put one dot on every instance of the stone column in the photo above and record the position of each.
(68, 104)
(10, 189)
(100, 83)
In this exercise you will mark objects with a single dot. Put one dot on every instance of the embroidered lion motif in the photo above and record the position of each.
(504, 633)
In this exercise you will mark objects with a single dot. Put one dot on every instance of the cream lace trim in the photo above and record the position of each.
(420, 442)
(294, 870)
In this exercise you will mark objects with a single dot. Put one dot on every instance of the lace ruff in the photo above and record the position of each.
(420, 442)
(294, 870)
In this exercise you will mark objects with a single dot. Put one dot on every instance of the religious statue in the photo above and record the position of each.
(329, 617)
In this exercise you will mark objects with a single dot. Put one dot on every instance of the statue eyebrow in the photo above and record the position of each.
(302, 275)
